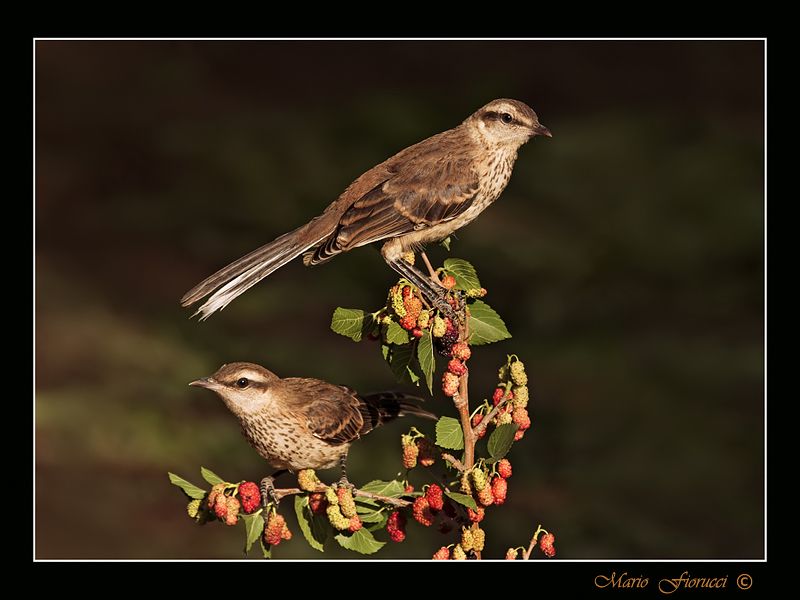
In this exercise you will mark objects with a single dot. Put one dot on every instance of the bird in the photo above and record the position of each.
(298, 423)
(420, 195)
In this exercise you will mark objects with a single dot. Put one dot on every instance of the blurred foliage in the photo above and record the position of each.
(626, 257)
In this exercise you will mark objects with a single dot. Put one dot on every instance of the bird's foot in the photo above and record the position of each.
(268, 491)
(345, 483)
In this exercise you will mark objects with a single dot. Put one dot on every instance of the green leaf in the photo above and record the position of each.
(370, 515)
(210, 476)
(253, 527)
(485, 325)
(449, 434)
(393, 489)
(351, 322)
(464, 272)
(427, 362)
(501, 439)
(189, 489)
(445, 243)
(305, 519)
(462, 499)
(396, 334)
(385, 348)
(400, 361)
(362, 541)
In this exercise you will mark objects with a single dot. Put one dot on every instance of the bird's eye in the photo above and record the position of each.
(506, 118)
(242, 382)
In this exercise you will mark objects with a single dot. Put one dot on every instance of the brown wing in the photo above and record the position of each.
(334, 413)
(429, 183)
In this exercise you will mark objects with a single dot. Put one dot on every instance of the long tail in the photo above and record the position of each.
(387, 406)
(239, 276)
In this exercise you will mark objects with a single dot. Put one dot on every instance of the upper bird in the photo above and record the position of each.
(421, 194)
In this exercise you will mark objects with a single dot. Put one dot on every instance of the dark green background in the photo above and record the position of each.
(626, 257)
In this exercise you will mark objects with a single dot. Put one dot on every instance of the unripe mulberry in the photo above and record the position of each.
(409, 489)
(435, 497)
(518, 375)
(503, 374)
(307, 480)
(427, 452)
(511, 554)
(449, 384)
(520, 396)
(408, 322)
(331, 497)
(422, 511)
(485, 496)
(449, 282)
(410, 452)
(221, 507)
(355, 524)
(478, 539)
(498, 394)
(504, 418)
(317, 502)
(458, 553)
(396, 526)
(456, 367)
(476, 420)
(273, 531)
(396, 300)
(461, 351)
(346, 503)
(413, 307)
(232, 516)
(250, 496)
(477, 292)
(479, 478)
(442, 553)
(336, 518)
(424, 319)
(521, 418)
(499, 490)
(466, 539)
(439, 328)
(193, 508)
(216, 490)
(476, 516)
(547, 545)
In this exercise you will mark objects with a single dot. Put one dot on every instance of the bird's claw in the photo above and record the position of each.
(345, 483)
(268, 492)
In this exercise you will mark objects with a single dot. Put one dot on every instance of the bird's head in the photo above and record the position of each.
(245, 388)
(506, 122)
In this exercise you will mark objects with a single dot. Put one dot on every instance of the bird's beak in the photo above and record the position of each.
(206, 382)
(542, 130)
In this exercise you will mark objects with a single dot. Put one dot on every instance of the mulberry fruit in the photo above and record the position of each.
(422, 511)
(442, 553)
(521, 418)
(517, 370)
(466, 539)
(336, 518)
(346, 503)
(273, 531)
(449, 384)
(504, 468)
(396, 526)
(511, 554)
(458, 553)
(410, 452)
(193, 508)
(439, 327)
(478, 539)
(499, 490)
(435, 497)
(520, 396)
(307, 480)
(250, 496)
(461, 351)
(476, 516)
(317, 502)
(449, 282)
(485, 496)
(456, 367)
(479, 478)
(232, 516)
(424, 319)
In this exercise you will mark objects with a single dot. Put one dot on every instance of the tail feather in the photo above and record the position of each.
(233, 280)
(391, 405)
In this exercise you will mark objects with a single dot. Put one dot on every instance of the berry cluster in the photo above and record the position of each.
(512, 395)
(222, 502)
(417, 449)
(341, 509)
(276, 530)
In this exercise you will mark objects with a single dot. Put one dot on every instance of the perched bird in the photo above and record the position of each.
(421, 194)
(298, 423)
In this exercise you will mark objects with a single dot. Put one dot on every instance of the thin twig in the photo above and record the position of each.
(283, 492)
(453, 461)
(480, 427)
(526, 554)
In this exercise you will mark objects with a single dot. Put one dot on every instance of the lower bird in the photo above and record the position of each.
(299, 423)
